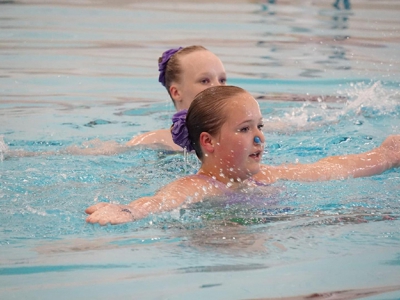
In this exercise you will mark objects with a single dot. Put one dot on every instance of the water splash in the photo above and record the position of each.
(367, 100)
(370, 100)
(3, 149)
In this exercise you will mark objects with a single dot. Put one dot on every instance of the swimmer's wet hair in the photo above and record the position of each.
(207, 112)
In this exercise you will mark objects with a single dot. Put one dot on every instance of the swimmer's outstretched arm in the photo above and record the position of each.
(188, 189)
(92, 147)
(373, 162)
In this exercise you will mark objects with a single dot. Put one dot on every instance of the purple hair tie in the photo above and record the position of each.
(162, 66)
(180, 134)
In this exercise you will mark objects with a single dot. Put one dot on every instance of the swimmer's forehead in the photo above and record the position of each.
(244, 101)
(243, 108)
(205, 61)
(194, 56)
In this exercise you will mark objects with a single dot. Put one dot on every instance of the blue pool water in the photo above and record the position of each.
(71, 73)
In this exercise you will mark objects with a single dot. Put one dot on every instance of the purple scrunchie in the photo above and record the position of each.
(180, 134)
(162, 66)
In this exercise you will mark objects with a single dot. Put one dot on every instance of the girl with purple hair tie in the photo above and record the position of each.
(184, 72)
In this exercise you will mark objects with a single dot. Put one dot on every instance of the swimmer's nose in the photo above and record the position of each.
(216, 82)
(257, 140)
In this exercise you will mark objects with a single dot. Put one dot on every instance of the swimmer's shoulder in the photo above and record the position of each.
(194, 187)
(201, 181)
(201, 184)
(160, 139)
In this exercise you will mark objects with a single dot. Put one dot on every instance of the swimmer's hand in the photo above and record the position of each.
(391, 145)
(108, 213)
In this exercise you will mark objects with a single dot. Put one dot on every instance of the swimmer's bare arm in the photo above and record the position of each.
(159, 139)
(92, 147)
(376, 161)
(189, 189)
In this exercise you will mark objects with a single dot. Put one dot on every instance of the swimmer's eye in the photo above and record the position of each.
(222, 81)
(205, 81)
(247, 128)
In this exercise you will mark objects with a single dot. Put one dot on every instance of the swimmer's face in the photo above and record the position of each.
(239, 155)
(200, 70)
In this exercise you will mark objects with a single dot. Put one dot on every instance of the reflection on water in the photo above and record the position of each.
(339, 4)
(76, 73)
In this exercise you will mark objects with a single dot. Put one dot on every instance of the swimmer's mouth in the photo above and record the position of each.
(256, 154)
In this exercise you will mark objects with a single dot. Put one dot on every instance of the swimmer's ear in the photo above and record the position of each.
(175, 93)
(206, 142)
